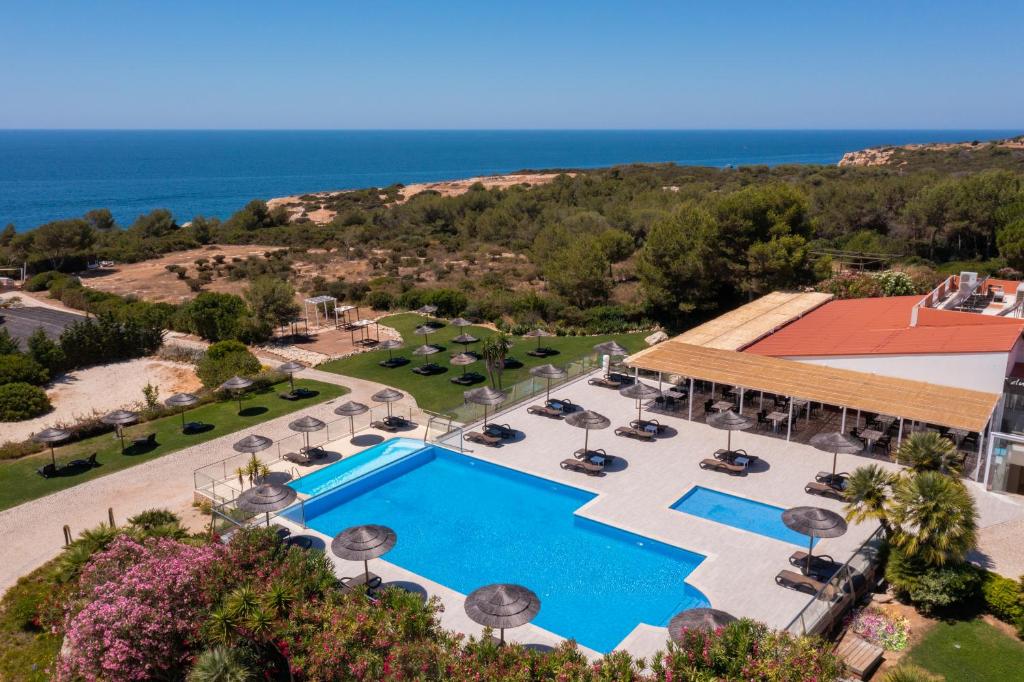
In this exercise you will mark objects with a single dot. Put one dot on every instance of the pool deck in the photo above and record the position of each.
(636, 494)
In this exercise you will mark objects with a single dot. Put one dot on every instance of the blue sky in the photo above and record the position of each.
(569, 64)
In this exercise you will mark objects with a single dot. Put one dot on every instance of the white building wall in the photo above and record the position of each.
(976, 371)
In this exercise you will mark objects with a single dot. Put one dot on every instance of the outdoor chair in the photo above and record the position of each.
(482, 438)
(503, 431)
(288, 395)
(541, 352)
(47, 470)
(821, 564)
(544, 411)
(631, 432)
(561, 404)
(384, 426)
(605, 381)
(357, 585)
(762, 419)
(395, 420)
(648, 425)
(803, 583)
(428, 369)
(884, 444)
(87, 463)
(297, 457)
(582, 466)
(149, 440)
(724, 467)
(709, 406)
(823, 489)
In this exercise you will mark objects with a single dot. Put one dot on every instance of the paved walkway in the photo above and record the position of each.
(31, 533)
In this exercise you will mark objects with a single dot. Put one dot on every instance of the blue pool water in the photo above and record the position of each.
(342, 471)
(739, 512)
(464, 523)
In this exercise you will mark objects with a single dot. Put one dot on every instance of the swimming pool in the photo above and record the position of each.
(463, 523)
(359, 464)
(739, 512)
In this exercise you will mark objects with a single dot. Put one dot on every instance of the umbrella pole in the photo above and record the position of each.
(639, 410)
(501, 642)
(586, 441)
(183, 419)
(728, 441)
(366, 567)
(53, 457)
(548, 394)
(810, 548)
(835, 456)
(485, 416)
(291, 380)
(352, 426)
(267, 514)
(120, 434)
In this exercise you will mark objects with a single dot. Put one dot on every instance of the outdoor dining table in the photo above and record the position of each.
(723, 405)
(776, 418)
(870, 435)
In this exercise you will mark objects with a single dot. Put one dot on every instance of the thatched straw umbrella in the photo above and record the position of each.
(485, 395)
(290, 368)
(351, 409)
(814, 522)
(641, 392)
(387, 395)
(610, 348)
(729, 421)
(120, 419)
(390, 345)
(237, 385)
(425, 330)
(502, 606)
(362, 543)
(183, 401)
(426, 351)
(252, 444)
(548, 372)
(51, 436)
(306, 425)
(836, 442)
(265, 498)
(463, 360)
(587, 420)
(538, 334)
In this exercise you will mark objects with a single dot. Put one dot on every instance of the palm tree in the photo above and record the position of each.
(928, 451)
(495, 350)
(220, 664)
(867, 495)
(934, 518)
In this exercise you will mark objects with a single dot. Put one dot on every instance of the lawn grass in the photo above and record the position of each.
(438, 394)
(20, 483)
(966, 651)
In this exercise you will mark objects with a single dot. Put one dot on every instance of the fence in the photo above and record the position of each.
(840, 593)
(222, 481)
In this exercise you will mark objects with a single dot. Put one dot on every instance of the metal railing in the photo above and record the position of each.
(841, 592)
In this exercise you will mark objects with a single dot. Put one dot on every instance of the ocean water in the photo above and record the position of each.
(46, 175)
(465, 523)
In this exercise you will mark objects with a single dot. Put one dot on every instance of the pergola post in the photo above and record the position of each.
(981, 443)
(789, 422)
(842, 424)
(741, 399)
(988, 460)
(899, 434)
(760, 401)
(690, 401)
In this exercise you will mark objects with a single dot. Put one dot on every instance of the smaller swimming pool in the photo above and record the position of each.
(359, 464)
(739, 512)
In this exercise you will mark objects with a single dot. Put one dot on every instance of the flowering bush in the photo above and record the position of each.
(886, 630)
(138, 606)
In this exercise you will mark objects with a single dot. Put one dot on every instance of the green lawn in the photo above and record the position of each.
(19, 481)
(966, 651)
(437, 393)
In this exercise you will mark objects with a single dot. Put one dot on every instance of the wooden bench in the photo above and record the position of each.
(860, 656)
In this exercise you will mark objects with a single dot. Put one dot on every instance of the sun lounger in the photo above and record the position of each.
(605, 381)
(384, 426)
(821, 564)
(859, 656)
(725, 467)
(360, 584)
(296, 457)
(47, 470)
(314, 451)
(149, 440)
(823, 489)
(482, 438)
(803, 583)
(393, 363)
(544, 411)
(837, 481)
(193, 427)
(503, 431)
(630, 432)
(561, 404)
(599, 452)
(730, 455)
(88, 463)
(648, 424)
(582, 466)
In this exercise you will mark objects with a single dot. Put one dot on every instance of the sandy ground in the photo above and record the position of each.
(448, 188)
(150, 280)
(103, 389)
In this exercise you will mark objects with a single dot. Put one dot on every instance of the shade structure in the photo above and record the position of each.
(387, 395)
(350, 409)
(237, 385)
(698, 619)
(290, 368)
(427, 309)
(548, 372)
(306, 425)
(814, 522)
(501, 606)
(390, 345)
(182, 401)
(462, 360)
(485, 395)
(252, 443)
(465, 339)
(424, 330)
(120, 419)
(460, 322)
(265, 498)
(588, 420)
(640, 391)
(426, 351)
(538, 334)
(730, 421)
(51, 436)
(610, 348)
(836, 442)
(362, 543)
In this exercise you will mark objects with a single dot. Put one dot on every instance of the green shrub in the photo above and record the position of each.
(224, 360)
(1003, 597)
(22, 368)
(909, 672)
(379, 300)
(17, 450)
(41, 281)
(8, 344)
(151, 518)
(20, 401)
(46, 352)
(933, 589)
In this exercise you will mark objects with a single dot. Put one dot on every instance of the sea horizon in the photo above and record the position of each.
(56, 173)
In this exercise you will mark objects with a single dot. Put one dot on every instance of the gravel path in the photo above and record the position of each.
(31, 533)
